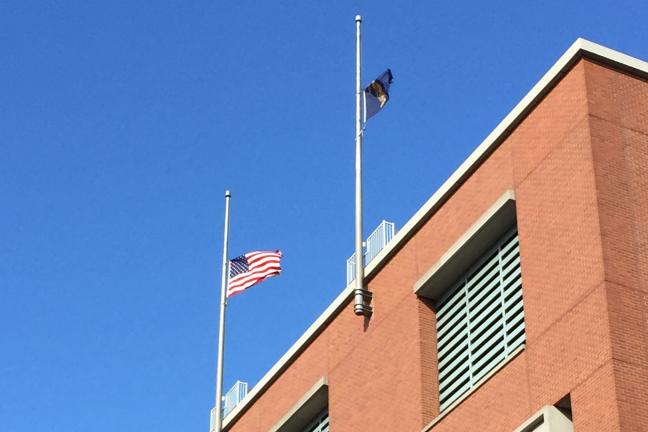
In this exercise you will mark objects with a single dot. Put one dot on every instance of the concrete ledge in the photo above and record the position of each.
(466, 395)
(305, 410)
(480, 237)
(548, 419)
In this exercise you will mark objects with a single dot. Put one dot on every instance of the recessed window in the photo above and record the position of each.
(549, 419)
(320, 424)
(480, 319)
(309, 414)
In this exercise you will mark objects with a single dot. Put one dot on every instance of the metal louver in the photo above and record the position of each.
(480, 321)
(320, 424)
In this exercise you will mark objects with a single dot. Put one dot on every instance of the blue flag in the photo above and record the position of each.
(376, 94)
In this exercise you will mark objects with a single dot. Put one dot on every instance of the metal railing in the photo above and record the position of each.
(376, 241)
(233, 396)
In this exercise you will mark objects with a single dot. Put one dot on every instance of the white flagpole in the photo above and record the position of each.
(217, 412)
(362, 304)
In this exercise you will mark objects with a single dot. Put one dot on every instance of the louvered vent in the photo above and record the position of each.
(480, 322)
(320, 424)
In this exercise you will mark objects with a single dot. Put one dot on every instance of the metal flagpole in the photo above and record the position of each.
(217, 412)
(362, 304)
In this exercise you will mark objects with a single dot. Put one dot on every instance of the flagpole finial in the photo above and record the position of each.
(227, 194)
(358, 18)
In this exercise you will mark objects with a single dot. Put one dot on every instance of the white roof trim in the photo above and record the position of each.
(579, 48)
(291, 354)
(528, 102)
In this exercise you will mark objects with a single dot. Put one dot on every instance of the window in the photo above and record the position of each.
(480, 320)
(548, 419)
(320, 424)
(476, 288)
(309, 414)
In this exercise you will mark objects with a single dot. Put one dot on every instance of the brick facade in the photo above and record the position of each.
(578, 164)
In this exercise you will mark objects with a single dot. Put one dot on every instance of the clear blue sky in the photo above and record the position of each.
(123, 122)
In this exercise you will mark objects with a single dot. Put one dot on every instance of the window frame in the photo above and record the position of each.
(476, 337)
(306, 411)
(442, 277)
(463, 254)
(547, 419)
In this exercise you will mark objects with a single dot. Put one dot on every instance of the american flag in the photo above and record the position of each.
(252, 268)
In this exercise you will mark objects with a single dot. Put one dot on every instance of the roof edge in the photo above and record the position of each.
(300, 345)
(579, 49)
(614, 58)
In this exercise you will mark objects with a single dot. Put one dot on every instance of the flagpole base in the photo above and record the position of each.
(362, 306)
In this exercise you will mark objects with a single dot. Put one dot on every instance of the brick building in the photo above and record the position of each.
(515, 299)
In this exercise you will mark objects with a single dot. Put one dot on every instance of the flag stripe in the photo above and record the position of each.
(250, 269)
(261, 273)
(242, 278)
(262, 260)
(253, 280)
(236, 290)
(258, 268)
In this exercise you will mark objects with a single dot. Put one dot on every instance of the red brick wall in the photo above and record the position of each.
(579, 166)
(618, 106)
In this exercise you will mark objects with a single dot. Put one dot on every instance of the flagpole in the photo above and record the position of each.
(362, 304)
(217, 412)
